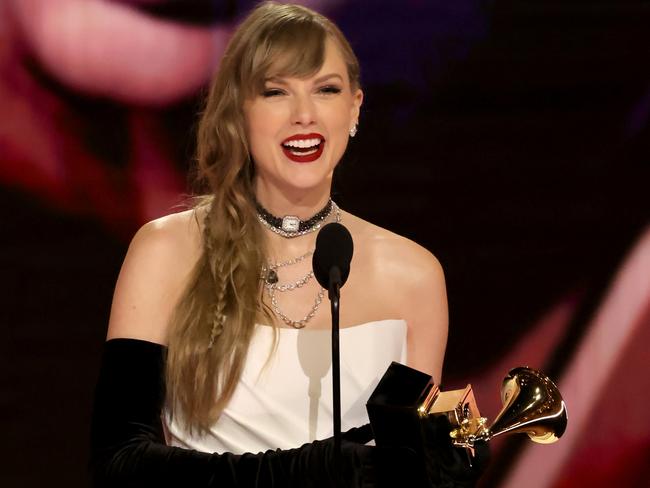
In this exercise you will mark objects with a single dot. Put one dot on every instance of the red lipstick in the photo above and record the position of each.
(303, 148)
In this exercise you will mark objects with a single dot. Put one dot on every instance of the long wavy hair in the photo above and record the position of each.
(214, 321)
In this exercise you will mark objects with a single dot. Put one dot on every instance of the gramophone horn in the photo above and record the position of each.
(532, 404)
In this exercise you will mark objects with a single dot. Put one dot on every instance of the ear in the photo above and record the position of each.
(357, 100)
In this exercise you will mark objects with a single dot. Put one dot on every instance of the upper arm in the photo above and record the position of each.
(153, 276)
(424, 307)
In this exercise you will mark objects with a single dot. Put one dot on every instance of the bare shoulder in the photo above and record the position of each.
(400, 258)
(407, 282)
(155, 271)
(173, 233)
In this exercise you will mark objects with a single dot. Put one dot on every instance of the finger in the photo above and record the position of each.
(481, 456)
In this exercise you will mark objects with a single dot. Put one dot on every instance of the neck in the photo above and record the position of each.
(281, 248)
(304, 204)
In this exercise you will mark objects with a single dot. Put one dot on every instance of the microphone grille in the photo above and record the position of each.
(334, 247)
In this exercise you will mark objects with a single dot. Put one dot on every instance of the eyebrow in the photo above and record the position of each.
(280, 80)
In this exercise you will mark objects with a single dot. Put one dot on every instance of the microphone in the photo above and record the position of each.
(332, 256)
(331, 264)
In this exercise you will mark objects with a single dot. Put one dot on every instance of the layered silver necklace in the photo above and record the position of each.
(270, 272)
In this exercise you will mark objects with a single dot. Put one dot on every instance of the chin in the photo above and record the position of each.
(306, 182)
(307, 186)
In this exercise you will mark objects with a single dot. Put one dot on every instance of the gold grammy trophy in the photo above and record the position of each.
(532, 404)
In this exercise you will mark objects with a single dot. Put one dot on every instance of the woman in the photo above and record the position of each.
(224, 294)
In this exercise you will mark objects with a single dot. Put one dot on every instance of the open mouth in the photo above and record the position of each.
(303, 148)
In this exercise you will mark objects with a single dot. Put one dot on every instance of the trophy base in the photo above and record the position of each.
(404, 396)
(393, 406)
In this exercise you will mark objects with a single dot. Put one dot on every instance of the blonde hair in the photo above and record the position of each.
(223, 299)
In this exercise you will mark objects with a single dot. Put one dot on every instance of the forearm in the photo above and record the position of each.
(128, 447)
(127, 441)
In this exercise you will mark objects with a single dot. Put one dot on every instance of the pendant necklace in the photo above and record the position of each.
(269, 274)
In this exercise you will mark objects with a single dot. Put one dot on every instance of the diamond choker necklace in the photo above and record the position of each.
(290, 225)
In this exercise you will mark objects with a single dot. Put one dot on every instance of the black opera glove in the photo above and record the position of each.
(448, 466)
(431, 462)
(128, 447)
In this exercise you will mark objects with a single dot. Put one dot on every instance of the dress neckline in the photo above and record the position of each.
(356, 327)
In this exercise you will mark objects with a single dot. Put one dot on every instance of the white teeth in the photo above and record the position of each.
(302, 143)
(305, 153)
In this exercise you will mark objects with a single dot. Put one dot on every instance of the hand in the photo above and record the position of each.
(448, 466)
(357, 466)
(378, 467)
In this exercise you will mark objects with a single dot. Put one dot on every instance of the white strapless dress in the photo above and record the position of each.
(285, 400)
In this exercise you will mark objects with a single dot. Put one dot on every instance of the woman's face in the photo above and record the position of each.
(298, 128)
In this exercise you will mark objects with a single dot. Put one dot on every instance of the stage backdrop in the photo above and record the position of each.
(511, 138)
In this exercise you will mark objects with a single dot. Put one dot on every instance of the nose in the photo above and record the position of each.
(303, 110)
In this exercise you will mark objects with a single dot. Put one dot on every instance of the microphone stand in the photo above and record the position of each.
(334, 295)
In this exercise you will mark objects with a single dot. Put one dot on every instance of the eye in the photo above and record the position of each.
(271, 92)
(329, 90)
